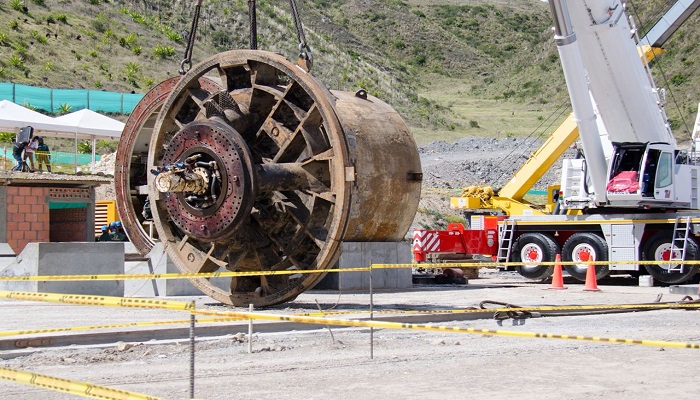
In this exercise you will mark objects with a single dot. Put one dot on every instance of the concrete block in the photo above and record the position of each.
(158, 262)
(69, 258)
(646, 281)
(361, 255)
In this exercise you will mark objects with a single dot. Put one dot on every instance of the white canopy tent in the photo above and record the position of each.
(88, 123)
(13, 117)
(82, 124)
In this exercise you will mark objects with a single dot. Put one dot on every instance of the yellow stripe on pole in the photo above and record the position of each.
(73, 387)
(397, 325)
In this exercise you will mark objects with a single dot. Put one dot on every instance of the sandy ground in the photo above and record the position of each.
(406, 363)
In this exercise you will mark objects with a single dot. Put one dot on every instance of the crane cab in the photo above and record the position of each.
(646, 174)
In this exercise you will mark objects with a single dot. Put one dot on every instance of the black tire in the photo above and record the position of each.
(585, 243)
(657, 248)
(541, 248)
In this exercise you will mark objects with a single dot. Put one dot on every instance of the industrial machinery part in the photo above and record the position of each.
(270, 172)
(130, 168)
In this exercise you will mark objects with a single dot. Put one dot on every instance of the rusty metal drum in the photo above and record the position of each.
(255, 166)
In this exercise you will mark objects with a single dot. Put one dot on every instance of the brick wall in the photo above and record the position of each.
(27, 216)
(68, 225)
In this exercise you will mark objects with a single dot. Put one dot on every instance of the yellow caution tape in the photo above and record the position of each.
(660, 306)
(73, 387)
(113, 326)
(208, 275)
(397, 325)
(90, 300)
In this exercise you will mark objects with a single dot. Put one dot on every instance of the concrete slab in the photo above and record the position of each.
(74, 258)
(362, 255)
(158, 262)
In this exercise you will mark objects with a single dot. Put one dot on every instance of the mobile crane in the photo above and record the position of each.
(633, 195)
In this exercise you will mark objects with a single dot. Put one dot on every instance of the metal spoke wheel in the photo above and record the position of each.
(130, 171)
(532, 249)
(271, 172)
(659, 247)
(582, 247)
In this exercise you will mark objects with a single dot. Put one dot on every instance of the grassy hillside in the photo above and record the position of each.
(451, 68)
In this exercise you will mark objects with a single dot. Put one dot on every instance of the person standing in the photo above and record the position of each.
(43, 155)
(17, 150)
(29, 152)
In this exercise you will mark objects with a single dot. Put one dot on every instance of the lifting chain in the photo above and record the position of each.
(186, 63)
(305, 60)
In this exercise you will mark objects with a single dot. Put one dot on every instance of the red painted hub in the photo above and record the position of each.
(217, 141)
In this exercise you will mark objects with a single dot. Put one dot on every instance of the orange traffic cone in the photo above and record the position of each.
(591, 281)
(557, 278)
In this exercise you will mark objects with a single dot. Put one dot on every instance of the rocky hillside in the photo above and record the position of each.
(399, 50)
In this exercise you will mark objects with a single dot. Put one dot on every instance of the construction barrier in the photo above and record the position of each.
(114, 326)
(124, 302)
(88, 300)
(72, 387)
(106, 277)
(434, 328)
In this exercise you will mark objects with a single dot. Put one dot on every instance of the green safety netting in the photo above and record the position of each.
(63, 206)
(52, 100)
(58, 157)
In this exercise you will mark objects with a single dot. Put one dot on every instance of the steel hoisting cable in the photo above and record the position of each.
(186, 63)
(553, 118)
(663, 77)
(253, 22)
(304, 49)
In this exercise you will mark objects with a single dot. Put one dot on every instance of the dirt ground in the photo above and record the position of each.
(409, 364)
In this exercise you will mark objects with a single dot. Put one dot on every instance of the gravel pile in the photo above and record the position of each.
(480, 161)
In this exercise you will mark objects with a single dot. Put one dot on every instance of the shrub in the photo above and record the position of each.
(100, 23)
(16, 61)
(128, 40)
(679, 79)
(131, 72)
(137, 50)
(163, 52)
(49, 66)
(64, 108)
(38, 37)
(4, 39)
(175, 37)
(62, 18)
(105, 146)
(85, 147)
(17, 5)
(14, 25)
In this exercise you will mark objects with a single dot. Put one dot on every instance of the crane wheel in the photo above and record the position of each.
(533, 248)
(660, 247)
(582, 247)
